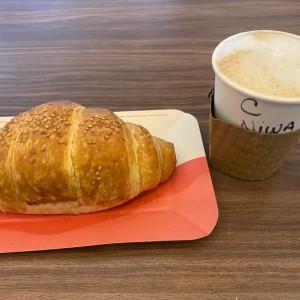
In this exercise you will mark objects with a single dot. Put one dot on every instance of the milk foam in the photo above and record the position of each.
(266, 62)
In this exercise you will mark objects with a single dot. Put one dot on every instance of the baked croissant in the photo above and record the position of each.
(63, 158)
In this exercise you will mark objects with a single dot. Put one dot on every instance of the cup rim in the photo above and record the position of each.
(232, 84)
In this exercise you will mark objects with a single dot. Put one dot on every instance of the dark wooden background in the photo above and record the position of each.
(134, 55)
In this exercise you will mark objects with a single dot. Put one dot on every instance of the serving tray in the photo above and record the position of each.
(183, 208)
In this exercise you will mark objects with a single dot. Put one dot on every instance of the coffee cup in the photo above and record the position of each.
(255, 118)
(257, 81)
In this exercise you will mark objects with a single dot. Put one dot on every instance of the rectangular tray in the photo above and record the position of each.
(183, 208)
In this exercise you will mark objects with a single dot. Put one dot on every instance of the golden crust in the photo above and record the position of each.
(60, 157)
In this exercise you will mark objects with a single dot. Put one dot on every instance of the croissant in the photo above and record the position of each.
(63, 158)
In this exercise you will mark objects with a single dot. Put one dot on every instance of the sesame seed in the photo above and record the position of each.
(48, 134)
(98, 178)
(43, 148)
(106, 136)
(93, 182)
(99, 168)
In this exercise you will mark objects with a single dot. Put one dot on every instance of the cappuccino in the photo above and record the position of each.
(263, 62)
(257, 81)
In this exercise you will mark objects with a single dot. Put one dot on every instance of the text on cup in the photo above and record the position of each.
(250, 106)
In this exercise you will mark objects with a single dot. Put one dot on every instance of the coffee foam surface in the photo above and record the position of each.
(266, 62)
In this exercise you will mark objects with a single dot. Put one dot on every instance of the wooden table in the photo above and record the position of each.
(135, 55)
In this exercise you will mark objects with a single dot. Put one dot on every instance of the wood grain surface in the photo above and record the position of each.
(134, 55)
